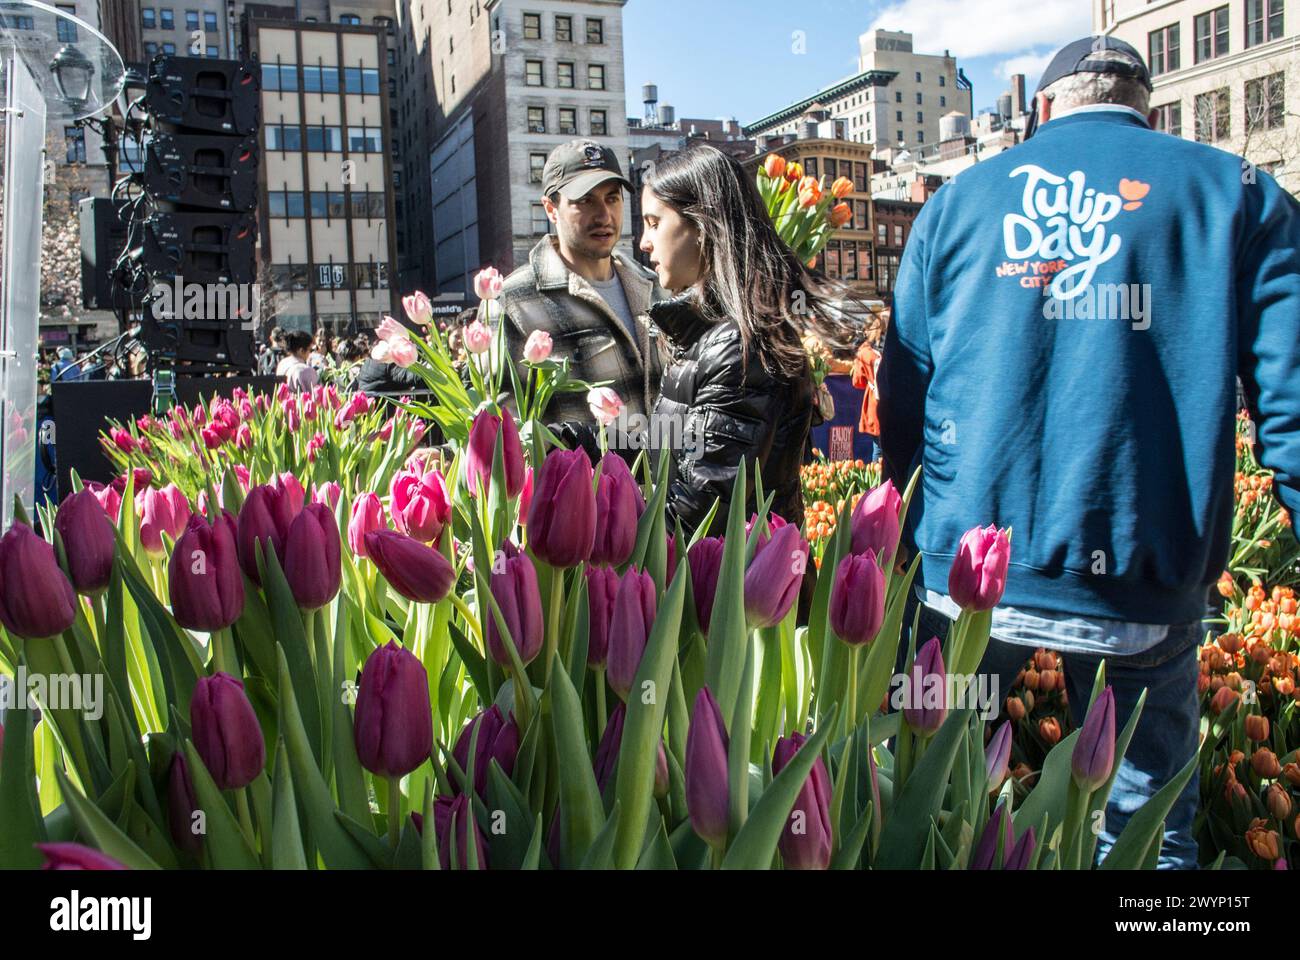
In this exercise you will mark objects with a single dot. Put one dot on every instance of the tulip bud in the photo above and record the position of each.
(327, 494)
(538, 346)
(416, 571)
(420, 504)
(1263, 842)
(1094, 751)
(1256, 727)
(602, 586)
(875, 521)
(1018, 858)
(985, 855)
(526, 497)
(605, 404)
(419, 308)
(607, 750)
(161, 511)
(774, 166)
(181, 804)
(207, 592)
(109, 498)
(36, 598)
(1222, 699)
(454, 816)
(805, 842)
(1044, 659)
(265, 516)
(774, 576)
(1292, 774)
(226, 732)
(1278, 802)
(997, 755)
(312, 564)
(1265, 764)
(1049, 728)
(482, 449)
(1015, 708)
(478, 338)
(497, 739)
(707, 790)
(562, 516)
(88, 542)
(705, 560)
(515, 588)
(367, 515)
(1047, 681)
(75, 856)
(858, 599)
(488, 283)
(927, 676)
(629, 629)
(979, 571)
(393, 722)
(619, 505)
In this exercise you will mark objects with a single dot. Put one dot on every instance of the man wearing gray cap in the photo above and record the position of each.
(592, 300)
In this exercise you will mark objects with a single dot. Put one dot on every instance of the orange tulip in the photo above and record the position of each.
(1263, 842)
(841, 214)
(774, 166)
(1264, 763)
(1257, 727)
(841, 188)
(1049, 728)
(794, 172)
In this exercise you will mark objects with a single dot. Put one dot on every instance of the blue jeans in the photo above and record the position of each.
(1167, 734)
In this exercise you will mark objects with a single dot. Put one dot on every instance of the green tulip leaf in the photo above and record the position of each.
(728, 632)
(601, 854)
(1138, 845)
(658, 854)
(286, 832)
(19, 807)
(580, 803)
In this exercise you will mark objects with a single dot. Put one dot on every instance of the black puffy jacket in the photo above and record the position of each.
(732, 409)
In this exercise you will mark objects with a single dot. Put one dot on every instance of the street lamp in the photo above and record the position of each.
(72, 71)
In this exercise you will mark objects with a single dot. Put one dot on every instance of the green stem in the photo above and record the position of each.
(463, 609)
(245, 818)
(395, 811)
(557, 606)
(601, 714)
(101, 625)
(222, 657)
(853, 688)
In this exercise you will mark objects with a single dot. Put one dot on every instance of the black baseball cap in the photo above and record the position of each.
(576, 168)
(1078, 57)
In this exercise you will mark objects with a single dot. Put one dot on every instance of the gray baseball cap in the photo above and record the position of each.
(576, 168)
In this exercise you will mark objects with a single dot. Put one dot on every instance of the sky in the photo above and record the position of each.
(737, 58)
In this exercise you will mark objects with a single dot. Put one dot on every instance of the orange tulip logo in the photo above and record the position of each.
(1133, 191)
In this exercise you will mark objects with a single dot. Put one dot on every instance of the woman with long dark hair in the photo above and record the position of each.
(738, 378)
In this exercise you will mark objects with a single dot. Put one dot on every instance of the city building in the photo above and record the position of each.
(1226, 74)
(488, 89)
(327, 240)
(187, 28)
(894, 220)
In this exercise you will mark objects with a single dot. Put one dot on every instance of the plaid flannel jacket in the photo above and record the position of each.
(546, 295)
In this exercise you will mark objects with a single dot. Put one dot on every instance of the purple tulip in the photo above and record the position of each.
(985, 856)
(36, 598)
(227, 735)
(602, 585)
(393, 721)
(498, 739)
(455, 815)
(181, 804)
(1094, 751)
(619, 505)
(705, 560)
(416, 571)
(1018, 858)
(874, 522)
(979, 571)
(774, 576)
(266, 515)
(928, 664)
(858, 599)
(515, 589)
(88, 542)
(707, 788)
(562, 515)
(996, 756)
(207, 591)
(629, 628)
(806, 838)
(75, 856)
(482, 448)
(312, 557)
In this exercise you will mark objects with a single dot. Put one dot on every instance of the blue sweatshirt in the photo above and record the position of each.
(1069, 320)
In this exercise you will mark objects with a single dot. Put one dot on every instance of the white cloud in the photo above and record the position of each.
(979, 28)
(1031, 65)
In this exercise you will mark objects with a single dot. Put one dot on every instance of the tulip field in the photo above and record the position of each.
(324, 644)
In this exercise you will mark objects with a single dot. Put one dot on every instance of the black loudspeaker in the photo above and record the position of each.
(200, 247)
(200, 170)
(82, 406)
(214, 95)
(103, 238)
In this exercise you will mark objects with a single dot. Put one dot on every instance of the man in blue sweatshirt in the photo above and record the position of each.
(1070, 320)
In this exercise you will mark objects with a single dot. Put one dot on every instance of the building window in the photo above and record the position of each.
(898, 115)
(920, 135)
(536, 164)
(1212, 34)
(833, 259)
(599, 123)
(169, 48)
(943, 101)
(320, 79)
(541, 223)
(564, 75)
(331, 276)
(351, 19)
(861, 178)
(918, 76)
(365, 139)
(166, 19)
(1263, 21)
(328, 204)
(76, 142)
(285, 203)
(212, 51)
(533, 73)
(387, 23)
(147, 18)
(1162, 49)
(810, 167)
(861, 215)
(361, 80)
(151, 49)
(67, 30)
(283, 77)
(191, 20)
(831, 169)
(849, 260)
(210, 22)
(898, 96)
(532, 26)
(536, 119)
(283, 136)
(918, 99)
(882, 233)
(563, 29)
(920, 117)
(324, 139)
(595, 30)
(941, 81)
(595, 76)
(1213, 115)
(1169, 118)
(898, 234)
(569, 121)
(1265, 102)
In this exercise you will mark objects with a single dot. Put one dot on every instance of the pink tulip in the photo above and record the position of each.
(875, 522)
(979, 571)
(605, 404)
(327, 493)
(402, 352)
(390, 330)
(125, 442)
(161, 511)
(478, 338)
(488, 283)
(526, 497)
(419, 309)
(292, 488)
(538, 347)
(314, 446)
(482, 449)
(420, 504)
(212, 438)
(109, 498)
(243, 437)
(367, 515)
